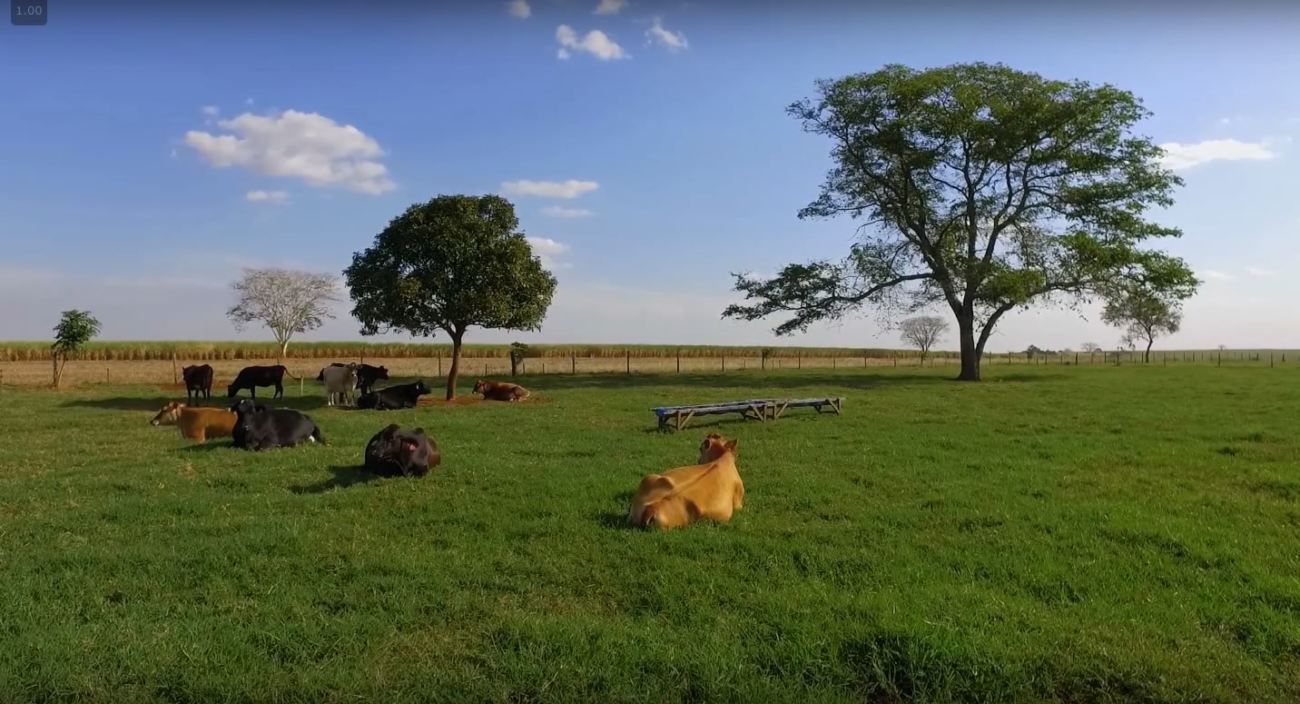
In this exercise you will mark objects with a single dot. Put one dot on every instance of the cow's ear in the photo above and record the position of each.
(731, 445)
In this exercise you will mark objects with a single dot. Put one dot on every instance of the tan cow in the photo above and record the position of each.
(500, 391)
(711, 490)
(197, 424)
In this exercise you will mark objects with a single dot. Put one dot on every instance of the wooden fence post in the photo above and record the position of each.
(724, 363)
(832, 361)
(175, 379)
(108, 377)
(679, 360)
(629, 360)
(798, 356)
(439, 364)
(573, 362)
(896, 360)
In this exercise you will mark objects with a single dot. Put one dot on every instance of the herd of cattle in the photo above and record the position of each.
(711, 489)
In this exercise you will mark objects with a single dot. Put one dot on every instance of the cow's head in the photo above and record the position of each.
(231, 392)
(168, 415)
(420, 388)
(381, 372)
(245, 407)
(715, 446)
(480, 386)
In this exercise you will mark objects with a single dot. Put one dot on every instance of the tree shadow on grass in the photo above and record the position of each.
(136, 403)
(760, 382)
(342, 477)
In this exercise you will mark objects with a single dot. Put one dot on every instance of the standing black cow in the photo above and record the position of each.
(367, 375)
(409, 453)
(394, 397)
(259, 428)
(252, 377)
(198, 380)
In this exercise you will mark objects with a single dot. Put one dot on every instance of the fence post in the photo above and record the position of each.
(108, 377)
(679, 360)
(896, 360)
(439, 364)
(629, 360)
(798, 357)
(573, 362)
(1270, 360)
(724, 363)
(832, 361)
(175, 379)
(1220, 364)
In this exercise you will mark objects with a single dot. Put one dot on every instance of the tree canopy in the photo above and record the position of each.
(286, 301)
(452, 263)
(74, 330)
(977, 187)
(1144, 314)
(922, 332)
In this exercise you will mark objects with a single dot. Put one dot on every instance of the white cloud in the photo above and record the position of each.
(308, 146)
(673, 41)
(1216, 275)
(209, 110)
(1185, 156)
(1256, 271)
(267, 197)
(1225, 121)
(595, 42)
(610, 7)
(549, 189)
(549, 251)
(519, 8)
(559, 211)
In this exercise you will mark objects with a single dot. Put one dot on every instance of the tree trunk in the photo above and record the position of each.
(1146, 356)
(970, 354)
(514, 366)
(55, 358)
(455, 367)
(284, 350)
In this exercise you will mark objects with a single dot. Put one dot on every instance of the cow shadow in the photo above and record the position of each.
(210, 445)
(152, 404)
(615, 520)
(342, 477)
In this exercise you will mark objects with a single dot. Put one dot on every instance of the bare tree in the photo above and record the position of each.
(286, 301)
(1090, 347)
(922, 332)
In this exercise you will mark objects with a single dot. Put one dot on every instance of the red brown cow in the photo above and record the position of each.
(500, 391)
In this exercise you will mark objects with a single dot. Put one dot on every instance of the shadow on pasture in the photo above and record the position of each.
(759, 381)
(342, 477)
(211, 445)
(121, 403)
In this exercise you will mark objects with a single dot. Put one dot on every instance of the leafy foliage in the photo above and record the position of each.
(979, 187)
(286, 301)
(452, 263)
(1144, 314)
(75, 329)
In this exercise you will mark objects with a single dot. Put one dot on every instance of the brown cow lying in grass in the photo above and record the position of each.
(710, 490)
(197, 424)
(500, 391)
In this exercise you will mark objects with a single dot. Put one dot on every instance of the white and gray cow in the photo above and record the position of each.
(340, 384)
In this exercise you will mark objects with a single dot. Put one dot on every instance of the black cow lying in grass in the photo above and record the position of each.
(252, 377)
(367, 375)
(259, 428)
(394, 397)
(395, 452)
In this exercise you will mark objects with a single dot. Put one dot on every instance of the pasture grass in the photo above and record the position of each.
(1052, 534)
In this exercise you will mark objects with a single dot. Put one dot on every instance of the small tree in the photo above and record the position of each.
(74, 330)
(450, 264)
(518, 351)
(288, 302)
(1090, 347)
(922, 332)
(1144, 314)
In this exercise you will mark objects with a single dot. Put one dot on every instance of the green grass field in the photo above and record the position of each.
(1052, 534)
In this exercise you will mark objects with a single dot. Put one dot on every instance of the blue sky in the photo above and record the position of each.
(148, 150)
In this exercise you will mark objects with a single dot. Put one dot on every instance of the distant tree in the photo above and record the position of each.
(980, 187)
(452, 263)
(1223, 347)
(518, 352)
(1143, 314)
(75, 329)
(922, 332)
(1035, 351)
(1090, 347)
(286, 301)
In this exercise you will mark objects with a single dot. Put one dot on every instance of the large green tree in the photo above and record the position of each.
(452, 263)
(977, 187)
